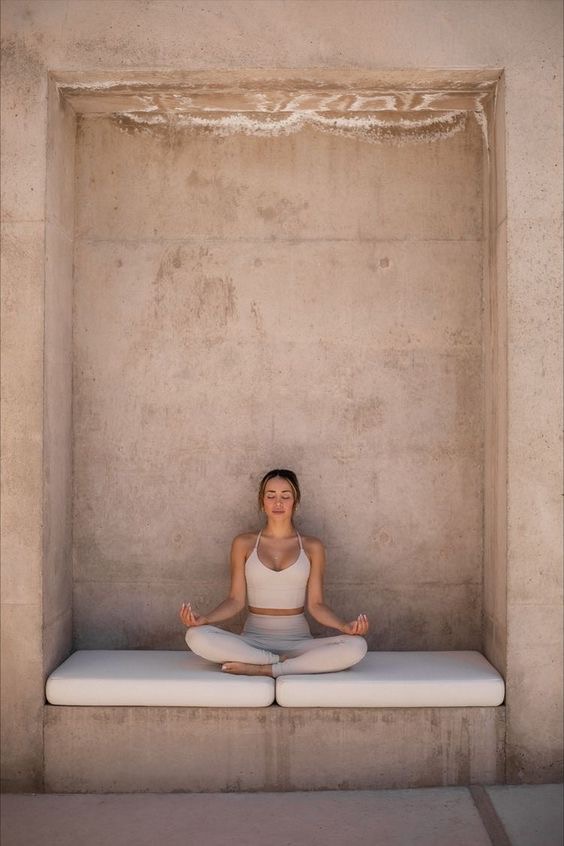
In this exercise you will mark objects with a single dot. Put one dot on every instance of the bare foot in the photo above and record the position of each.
(240, 669)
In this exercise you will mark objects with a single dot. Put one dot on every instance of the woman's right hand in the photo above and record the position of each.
(189, 617)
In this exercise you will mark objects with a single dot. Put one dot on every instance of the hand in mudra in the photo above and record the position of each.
(358, 626)
(189, 617)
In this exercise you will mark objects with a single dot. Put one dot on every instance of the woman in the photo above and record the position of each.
(276, 569)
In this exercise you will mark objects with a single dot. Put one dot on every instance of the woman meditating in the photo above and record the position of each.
(281, 574)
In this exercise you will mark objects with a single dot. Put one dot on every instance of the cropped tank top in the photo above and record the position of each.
(268, 588)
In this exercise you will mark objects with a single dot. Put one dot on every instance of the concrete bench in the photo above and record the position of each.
(380, 680)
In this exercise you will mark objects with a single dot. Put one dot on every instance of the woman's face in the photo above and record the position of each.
(278, 499)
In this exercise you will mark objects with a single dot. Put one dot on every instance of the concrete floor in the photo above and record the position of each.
(452, 816)
(530, 814)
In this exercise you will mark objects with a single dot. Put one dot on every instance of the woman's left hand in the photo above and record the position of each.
(358, 626)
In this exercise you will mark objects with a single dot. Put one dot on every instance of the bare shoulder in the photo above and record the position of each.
(312, 545)
(244, 540)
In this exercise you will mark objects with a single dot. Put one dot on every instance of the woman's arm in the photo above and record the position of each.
(237, 598)
(315, 604)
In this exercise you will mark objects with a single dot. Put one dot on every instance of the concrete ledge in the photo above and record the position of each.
(162, 750)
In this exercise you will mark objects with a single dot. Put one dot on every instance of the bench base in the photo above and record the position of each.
(163, 750)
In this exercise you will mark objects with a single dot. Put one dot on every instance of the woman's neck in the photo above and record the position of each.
(279, 530)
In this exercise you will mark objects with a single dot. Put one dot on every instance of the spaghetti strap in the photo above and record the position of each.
(300, 539)
(257, 540)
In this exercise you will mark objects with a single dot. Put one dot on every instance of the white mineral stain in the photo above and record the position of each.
(396, 130)
(482, 120)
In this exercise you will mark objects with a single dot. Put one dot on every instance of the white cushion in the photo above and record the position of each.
(140, 677)
(398, 680)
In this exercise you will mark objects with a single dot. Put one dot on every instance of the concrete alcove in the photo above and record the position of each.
(276, 267)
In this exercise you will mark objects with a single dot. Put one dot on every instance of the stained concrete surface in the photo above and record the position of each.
(394, 818)
(237, 309)
(532, 816)
(168, 750)
(530, 813)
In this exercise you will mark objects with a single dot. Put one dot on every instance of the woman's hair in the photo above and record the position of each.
(290, 477)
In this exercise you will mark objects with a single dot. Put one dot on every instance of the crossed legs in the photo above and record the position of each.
(244, 654)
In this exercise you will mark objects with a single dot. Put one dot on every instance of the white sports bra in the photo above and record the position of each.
(268, 588)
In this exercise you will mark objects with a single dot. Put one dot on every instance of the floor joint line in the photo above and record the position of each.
(489, 816)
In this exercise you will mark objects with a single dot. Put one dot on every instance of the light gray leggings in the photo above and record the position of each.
(266, 637)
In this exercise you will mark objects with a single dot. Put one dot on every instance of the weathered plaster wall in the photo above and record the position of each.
(310, 301)
(524, 38)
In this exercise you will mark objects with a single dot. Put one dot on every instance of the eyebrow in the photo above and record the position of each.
(285, 490)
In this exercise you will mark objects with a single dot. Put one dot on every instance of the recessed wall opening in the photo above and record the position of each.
(276, 269)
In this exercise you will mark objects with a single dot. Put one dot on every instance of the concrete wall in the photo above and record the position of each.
(112, 750)
(523, 631)
(494, 616)
(57, 363)
(305, 300)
